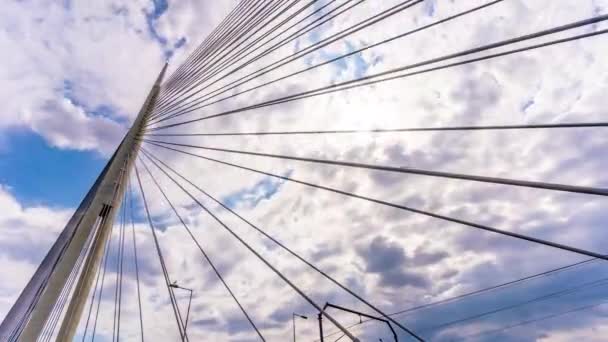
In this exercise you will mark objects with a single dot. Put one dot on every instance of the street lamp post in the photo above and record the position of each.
(175, 286)
(293, 319)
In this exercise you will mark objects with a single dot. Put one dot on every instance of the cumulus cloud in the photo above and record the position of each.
(72, 74)
(390, 261)
(66, 125)
(26, 234)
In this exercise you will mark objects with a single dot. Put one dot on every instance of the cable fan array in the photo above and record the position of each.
(256, 65)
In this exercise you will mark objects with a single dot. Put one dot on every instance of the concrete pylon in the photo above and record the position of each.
(89, 228)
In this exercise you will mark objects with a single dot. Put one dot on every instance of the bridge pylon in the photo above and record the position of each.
(79, 248)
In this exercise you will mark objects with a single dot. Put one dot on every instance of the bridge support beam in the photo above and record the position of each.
(87, 232)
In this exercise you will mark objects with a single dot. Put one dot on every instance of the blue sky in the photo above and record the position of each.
(39, 174)
(251, 197)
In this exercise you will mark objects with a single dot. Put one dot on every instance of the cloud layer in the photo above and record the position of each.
(79, 73)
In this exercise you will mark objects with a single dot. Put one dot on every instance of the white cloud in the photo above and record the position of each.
(88, 60)
(66, 125)
(26, 233)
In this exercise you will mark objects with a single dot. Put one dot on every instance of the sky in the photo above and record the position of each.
(74, 76)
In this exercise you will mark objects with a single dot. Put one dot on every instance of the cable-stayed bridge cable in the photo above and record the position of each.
(245, 31)
(224, 65)
(218, 30)
(337, 58)
(410, 209)
(266, 262)
(544, 297)
(178, 319)
(391, 130)
(95, 287)
(227, 62)
(153, 159)
(294, 36)
(119, 269)
(213, 45)
(103, 277)
(481, 291)
(135, 260)
(407, 170)
(538, 319)
(386, 75)
(205, 255)
(66, 292)
(402, 6)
